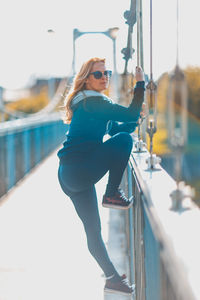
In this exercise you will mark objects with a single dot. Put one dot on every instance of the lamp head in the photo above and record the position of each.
(50, 30)
(77, 33)
(112, 32)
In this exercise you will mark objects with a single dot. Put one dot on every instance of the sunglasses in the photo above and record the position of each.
(99, 74)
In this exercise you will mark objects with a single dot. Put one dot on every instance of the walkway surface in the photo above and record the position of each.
(43, 253)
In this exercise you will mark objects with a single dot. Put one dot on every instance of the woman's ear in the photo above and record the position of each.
(86, 81)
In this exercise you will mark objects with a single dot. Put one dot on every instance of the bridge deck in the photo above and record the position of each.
(43, 253)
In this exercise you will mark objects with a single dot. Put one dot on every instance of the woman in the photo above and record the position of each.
(85, 158)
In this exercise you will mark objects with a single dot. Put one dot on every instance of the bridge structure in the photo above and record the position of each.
(43, 252)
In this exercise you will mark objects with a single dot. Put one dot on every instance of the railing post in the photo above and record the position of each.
(131, 228)
(10, 161)
(19, 155)
(152, 262)
(26, 141)
(3, 161)
(37, 141)
(139, 254)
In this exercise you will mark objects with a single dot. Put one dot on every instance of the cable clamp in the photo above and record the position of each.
(182, 196)
(140, 145)
(152, 161)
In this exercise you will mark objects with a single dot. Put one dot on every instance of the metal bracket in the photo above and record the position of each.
(139, 146)
(152, 161)
(182, 196)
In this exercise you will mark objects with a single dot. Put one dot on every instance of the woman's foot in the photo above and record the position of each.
(119, 286)
(119, 200)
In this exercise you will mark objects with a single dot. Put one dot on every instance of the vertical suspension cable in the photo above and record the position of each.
(138, 32)
(141, 38)
(139, 145)
(151, 43)
(138, 58)
(142, 123)
(152, 86)
(177, 32)
(151, 124)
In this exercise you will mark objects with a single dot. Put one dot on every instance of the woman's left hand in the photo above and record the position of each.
(139, 74)
(143, 111)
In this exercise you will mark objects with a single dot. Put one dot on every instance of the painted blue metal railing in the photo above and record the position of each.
(24, 143)
(163, 244)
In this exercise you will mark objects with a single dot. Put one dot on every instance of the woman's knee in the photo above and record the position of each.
(124, 139)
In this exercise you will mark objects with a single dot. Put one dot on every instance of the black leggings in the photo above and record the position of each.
(77, 181)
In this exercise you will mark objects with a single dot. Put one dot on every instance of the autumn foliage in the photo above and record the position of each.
(32, 104)
(193, 79)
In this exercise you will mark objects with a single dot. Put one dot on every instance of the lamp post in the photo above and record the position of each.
(111, 33)
(51, 79)
(1, 105)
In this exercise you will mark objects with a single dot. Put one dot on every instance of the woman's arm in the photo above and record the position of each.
(114, 127)
(104, 110)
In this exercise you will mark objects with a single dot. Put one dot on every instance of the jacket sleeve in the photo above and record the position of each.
(115, 127)
(105, 110)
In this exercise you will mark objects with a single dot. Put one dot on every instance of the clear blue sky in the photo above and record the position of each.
(27, 50)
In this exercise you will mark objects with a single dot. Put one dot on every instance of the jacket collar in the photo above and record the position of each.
(88, 93)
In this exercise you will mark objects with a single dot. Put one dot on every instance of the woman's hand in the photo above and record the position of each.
(139, 74)
(143, 111)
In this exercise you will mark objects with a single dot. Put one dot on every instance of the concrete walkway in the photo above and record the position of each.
(43, 253)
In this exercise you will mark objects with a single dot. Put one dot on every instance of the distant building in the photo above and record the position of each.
(14, 95)
(10, 95)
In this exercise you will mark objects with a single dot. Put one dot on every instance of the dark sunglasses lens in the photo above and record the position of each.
(108, 73)
(97, 74)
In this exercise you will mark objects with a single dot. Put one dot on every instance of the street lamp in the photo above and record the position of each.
(51, 79)
(111, 33)
(1, 105)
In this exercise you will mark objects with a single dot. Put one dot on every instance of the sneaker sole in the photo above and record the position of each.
(117, 206)
(110, 291)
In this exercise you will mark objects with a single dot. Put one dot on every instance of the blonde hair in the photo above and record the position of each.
(78, 85)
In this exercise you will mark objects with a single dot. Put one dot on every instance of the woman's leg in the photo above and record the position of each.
(112, 156)
(118, 152)
(85, 203)
(87, 208)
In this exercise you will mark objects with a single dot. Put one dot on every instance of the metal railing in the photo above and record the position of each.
(163, 244)
(24, 143)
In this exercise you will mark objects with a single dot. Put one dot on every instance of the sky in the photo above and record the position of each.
(28, 51)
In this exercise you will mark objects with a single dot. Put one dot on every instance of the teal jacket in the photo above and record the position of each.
(94, 115)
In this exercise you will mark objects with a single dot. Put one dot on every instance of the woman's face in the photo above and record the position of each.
(97, 84)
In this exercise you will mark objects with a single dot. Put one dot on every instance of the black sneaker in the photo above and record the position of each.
(119, 287)
(119, 200)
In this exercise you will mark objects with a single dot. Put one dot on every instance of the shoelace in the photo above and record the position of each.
(124, 279)
(122, 196)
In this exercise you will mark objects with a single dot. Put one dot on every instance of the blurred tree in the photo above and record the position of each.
(193, 79)
(32, 104)
(162, 92)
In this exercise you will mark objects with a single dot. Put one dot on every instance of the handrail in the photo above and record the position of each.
(26, 142)
(33, 121)
(166, 246)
